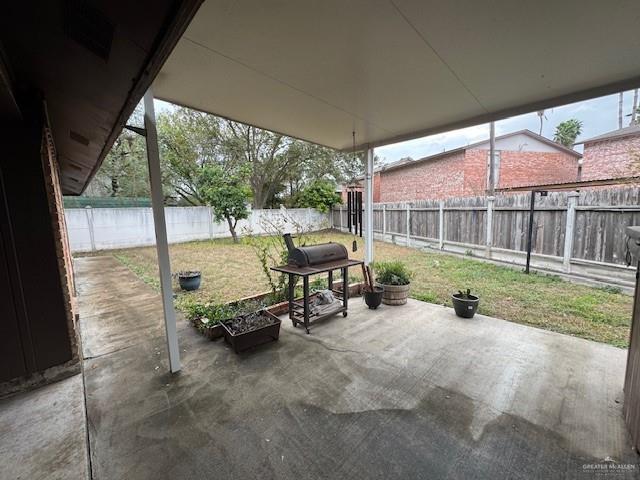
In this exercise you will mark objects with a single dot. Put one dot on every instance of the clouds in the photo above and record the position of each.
(598, 115)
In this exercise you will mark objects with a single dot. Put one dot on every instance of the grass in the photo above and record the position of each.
(231, 271)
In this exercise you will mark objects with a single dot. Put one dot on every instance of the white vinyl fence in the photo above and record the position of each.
(92, 229)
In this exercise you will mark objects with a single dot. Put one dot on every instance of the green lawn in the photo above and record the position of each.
(231, 271)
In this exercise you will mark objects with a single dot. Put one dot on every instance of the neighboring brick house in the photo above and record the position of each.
(612, 155)
(522, 158)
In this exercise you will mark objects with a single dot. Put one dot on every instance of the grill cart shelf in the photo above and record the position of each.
(299, 309)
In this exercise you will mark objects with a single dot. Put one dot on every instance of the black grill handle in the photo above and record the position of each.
(288, 240)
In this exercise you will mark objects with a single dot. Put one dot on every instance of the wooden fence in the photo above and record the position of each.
(586, 226)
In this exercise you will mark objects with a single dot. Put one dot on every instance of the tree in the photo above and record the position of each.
(320, 195)
(124, 172)
(567, 132)
(226, 193)
(189, 141)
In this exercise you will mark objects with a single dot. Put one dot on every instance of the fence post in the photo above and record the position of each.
(384, 221)
(441, 225)
(489, 232)
(340, 217)
(572, 200)
(408, 224)
(210, 210)
(89, 212)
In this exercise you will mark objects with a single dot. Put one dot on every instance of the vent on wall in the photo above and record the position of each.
(79, 138)
(89, 27)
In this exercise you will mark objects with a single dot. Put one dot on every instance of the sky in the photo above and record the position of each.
(598, 116)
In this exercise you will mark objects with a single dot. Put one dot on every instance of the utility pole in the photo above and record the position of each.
(492, 157)
(620, 102)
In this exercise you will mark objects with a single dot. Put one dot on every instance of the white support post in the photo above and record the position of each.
(384, 221)
(408, 224)
(489, 242)
(340, 217)
(162, 246)
(368, 209)
(441, 226)
(572, 201)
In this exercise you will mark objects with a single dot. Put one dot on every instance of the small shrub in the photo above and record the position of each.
(392, 273)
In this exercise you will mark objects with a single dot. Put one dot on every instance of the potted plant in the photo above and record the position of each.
(465, 304)
(395, 279)
(251, 329)
(189, 280)
(372, 293)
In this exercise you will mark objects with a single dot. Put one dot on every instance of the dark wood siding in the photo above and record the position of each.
(34, 318)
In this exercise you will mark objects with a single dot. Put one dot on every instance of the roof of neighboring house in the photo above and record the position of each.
(597, 182)
(403, 163)
(630, 131)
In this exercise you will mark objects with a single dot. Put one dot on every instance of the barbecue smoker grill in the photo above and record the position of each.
(312, 260)
(314, 254)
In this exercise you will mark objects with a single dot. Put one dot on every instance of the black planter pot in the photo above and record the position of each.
(373, 299)
(189, 280)
(465, 307)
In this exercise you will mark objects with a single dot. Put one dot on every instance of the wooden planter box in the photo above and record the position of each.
(277, 309)
(247, 340)
(213, 333)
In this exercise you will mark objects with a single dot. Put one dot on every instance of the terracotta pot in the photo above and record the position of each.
(395, 294)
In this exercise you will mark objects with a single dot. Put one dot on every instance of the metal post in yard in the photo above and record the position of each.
(489, 237)
(368, 209)
(530, 233)
(162, 246)
(572, 201)
(441, 225)
(408, 224)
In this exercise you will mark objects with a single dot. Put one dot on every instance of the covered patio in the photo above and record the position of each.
(404, 392)
(412, 392)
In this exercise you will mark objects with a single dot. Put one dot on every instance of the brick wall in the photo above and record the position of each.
(618, 157)
(475, 173)
(439, 178)
(527, 168)
(464, 174)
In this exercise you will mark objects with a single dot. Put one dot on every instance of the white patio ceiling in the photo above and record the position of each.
(394, 70)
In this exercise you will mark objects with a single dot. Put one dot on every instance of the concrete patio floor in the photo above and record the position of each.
(401, 392)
